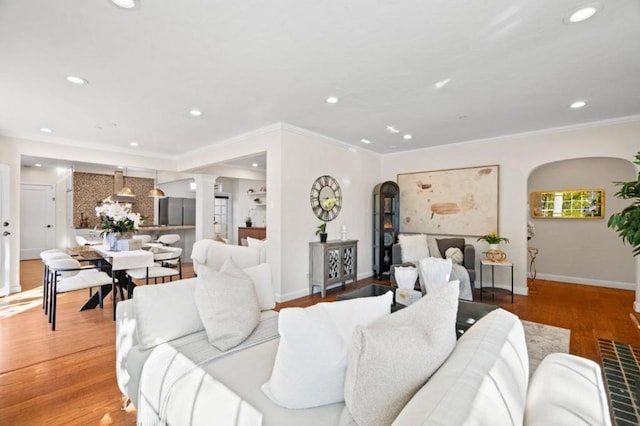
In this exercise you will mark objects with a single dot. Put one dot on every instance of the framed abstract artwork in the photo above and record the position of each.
(450, 202)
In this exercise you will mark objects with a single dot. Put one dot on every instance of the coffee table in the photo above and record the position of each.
(468, 312)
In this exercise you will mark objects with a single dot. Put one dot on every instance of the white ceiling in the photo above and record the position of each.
(514, 66)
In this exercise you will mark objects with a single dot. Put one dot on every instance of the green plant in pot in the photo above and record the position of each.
(248, 222)
(627, 222)
(322, 231)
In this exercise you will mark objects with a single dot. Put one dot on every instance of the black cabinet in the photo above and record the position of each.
(386, 225)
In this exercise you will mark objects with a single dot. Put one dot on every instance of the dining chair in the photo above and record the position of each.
(168, 264)
(69, 275)
(168, 239)
(82, 241)
(45, 256)
(144, 239)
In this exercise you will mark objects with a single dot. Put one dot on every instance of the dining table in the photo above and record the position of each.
(114, 263)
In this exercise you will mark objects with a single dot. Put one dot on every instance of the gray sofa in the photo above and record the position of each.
(442, 244)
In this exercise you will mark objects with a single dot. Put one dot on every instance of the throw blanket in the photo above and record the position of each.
(458, 272)
(174, 389)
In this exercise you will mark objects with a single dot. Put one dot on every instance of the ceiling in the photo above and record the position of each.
(512, 66)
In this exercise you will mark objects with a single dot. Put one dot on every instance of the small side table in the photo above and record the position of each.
(493, 289)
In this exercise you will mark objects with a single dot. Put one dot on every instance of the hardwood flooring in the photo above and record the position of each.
(68, 376)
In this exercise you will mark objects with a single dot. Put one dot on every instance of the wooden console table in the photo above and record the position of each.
(257, 233)
(332, 262)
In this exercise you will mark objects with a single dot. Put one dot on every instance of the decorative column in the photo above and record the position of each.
(205, 199)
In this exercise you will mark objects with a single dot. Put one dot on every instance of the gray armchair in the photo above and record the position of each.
(442, 244)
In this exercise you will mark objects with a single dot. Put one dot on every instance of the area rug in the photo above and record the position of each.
(542, 340)
(619, 363)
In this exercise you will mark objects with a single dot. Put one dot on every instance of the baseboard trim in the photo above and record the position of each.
(305, 291)
(587, 281)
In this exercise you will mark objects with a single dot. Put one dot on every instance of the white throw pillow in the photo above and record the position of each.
(261, 277)
(254, 242)
(154, 303)
(413, 247)
(434, 273)
(390, 359)
(311, 361)
(227, 305)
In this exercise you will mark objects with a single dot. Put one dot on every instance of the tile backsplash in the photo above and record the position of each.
(89, 189)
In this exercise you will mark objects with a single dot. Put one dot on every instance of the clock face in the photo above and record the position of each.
(326, 198)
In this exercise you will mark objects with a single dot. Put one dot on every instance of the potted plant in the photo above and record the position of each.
(322, 231)
(493, 239)
(627, 222)
(248, 221)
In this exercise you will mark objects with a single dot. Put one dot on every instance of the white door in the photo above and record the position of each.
(37, 219)
(222, 215)
(5, 230)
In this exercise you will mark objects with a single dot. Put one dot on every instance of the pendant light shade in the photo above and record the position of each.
(156, 192)
(125, 190)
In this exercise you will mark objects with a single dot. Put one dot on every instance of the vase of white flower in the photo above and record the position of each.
(111, 238)
(117, 221)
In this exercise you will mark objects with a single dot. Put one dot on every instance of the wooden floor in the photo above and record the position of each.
(68, 376)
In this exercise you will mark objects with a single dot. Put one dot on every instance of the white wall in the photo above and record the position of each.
(307, 156)
(518, 156)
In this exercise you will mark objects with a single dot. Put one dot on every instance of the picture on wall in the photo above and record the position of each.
(450, 202)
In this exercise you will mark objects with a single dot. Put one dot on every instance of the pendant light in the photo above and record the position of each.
(156, 192)
(126, 191)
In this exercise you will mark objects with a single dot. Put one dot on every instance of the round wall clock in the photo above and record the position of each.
(326, 198)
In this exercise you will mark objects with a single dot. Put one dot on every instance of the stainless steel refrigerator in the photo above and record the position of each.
(177, 211)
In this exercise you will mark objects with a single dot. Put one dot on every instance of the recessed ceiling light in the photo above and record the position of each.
(125, 4)
(441, 83)
(195, 112)
(367, 141)
(254, 165)
(134, 143)
(46, 130)
(392, 129)
(577, 104)
(120, 167)
(76, 80)
(583, 13)
(332, 100)
(37, 165)
(407, 136)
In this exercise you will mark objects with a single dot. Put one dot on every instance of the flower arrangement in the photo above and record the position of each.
(116, 217)
(493, 238)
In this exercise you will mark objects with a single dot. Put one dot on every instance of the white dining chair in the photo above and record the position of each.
(46, 256)
(168, 239)
(82, 241)
(144, 239)
(167, 265)
(69, 275)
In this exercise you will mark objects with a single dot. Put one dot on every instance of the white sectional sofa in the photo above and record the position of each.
(166, 366)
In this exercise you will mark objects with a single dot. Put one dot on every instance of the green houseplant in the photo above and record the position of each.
(322, 231)
(493, 238)
(627, 222)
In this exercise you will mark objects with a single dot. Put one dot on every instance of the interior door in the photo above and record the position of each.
(222, 215)
(37, 214)
(5, 230)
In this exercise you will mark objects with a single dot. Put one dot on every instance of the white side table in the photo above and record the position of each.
(493, 289)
